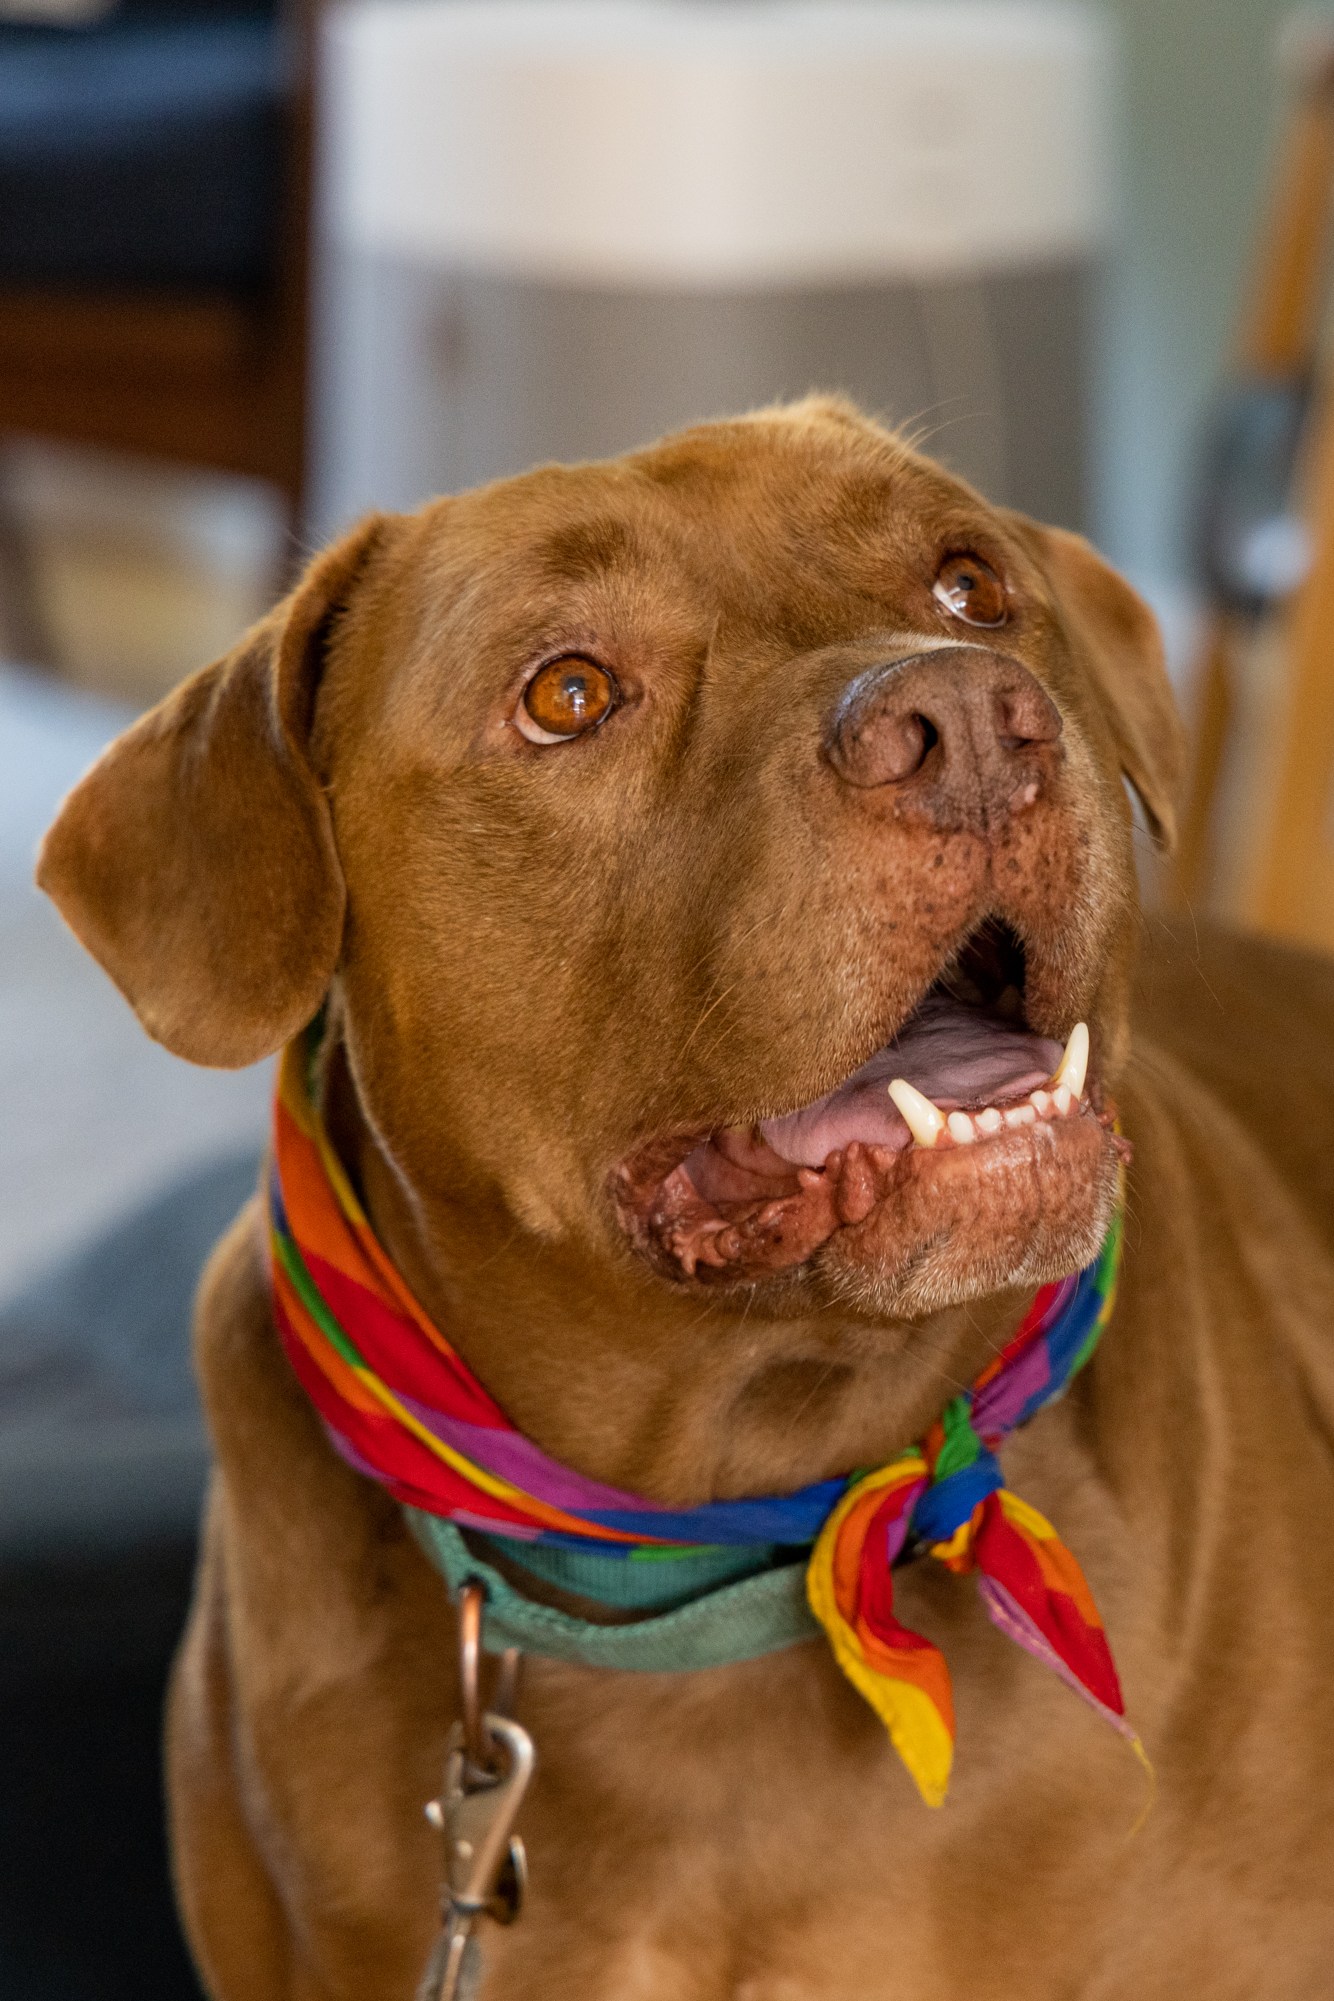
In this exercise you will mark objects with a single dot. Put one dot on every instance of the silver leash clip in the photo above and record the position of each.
(488, 1767)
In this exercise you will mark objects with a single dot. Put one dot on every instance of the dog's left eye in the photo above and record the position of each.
(564, 699)
(971, 590)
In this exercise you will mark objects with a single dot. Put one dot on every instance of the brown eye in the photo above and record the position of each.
(565, 698)
(970, 588)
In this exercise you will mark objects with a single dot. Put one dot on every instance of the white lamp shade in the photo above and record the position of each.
(702, 144)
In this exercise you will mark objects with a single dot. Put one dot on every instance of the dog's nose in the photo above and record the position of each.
(961, 732)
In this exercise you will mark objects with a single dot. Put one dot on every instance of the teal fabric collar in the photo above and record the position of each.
(701, 1611)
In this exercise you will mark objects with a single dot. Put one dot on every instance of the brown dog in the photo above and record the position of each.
(840, 737)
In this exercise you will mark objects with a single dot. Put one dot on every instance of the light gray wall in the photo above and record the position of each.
(1200, 103)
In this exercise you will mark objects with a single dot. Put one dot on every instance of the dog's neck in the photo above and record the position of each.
(674, 1394)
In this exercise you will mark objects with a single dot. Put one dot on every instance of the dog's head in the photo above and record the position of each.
(645, 822)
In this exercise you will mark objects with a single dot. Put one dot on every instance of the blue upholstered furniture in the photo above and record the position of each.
(153, 198)
(144, 150)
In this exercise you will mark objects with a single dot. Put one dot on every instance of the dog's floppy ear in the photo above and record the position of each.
(196, 858)
(1119, 639)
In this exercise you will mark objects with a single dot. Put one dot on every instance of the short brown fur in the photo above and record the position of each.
(540, 961)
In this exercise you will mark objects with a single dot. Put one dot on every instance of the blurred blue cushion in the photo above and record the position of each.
(143, 151)
(102, 1446)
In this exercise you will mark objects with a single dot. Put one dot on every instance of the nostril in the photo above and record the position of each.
(1024, 714)
(885, 747)
(930, 736)
(905, 744)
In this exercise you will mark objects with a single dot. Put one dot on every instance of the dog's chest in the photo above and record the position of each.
(750, 1835)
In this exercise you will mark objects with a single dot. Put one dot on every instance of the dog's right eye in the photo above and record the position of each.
(564, 699)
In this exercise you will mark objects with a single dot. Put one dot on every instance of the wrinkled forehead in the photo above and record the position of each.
(768, 533)
(733, 513)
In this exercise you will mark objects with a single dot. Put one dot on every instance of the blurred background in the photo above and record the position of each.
(267, 263)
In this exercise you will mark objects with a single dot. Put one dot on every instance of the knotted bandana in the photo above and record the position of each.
(403, 1407)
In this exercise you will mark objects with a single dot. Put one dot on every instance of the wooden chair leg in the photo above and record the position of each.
(1192, 878)
(1291, 880)
(1276, 340)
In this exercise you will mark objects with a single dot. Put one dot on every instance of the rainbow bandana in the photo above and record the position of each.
(401, 1406)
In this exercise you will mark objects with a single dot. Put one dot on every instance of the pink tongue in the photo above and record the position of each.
(958, 1057)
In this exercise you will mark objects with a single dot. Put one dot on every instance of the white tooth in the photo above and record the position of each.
(1020, 1115)
(961, 1128)
(1073, 1066)
(1040, 1101)
(989, 1121)
(921, 1117)
(1064, 1100)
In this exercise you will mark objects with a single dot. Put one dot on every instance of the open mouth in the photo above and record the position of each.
(965, 1071)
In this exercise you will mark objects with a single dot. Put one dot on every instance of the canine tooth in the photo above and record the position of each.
(1020, 1115)
(1040, 1101)
(961, 1128)
(1073, 1066)
(1064, 1099)
(923, 1120)
(989, 1121)
(809, 1177)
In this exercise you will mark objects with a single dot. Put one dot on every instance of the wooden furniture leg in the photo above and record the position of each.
(1290, 886)
(1277, 341)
